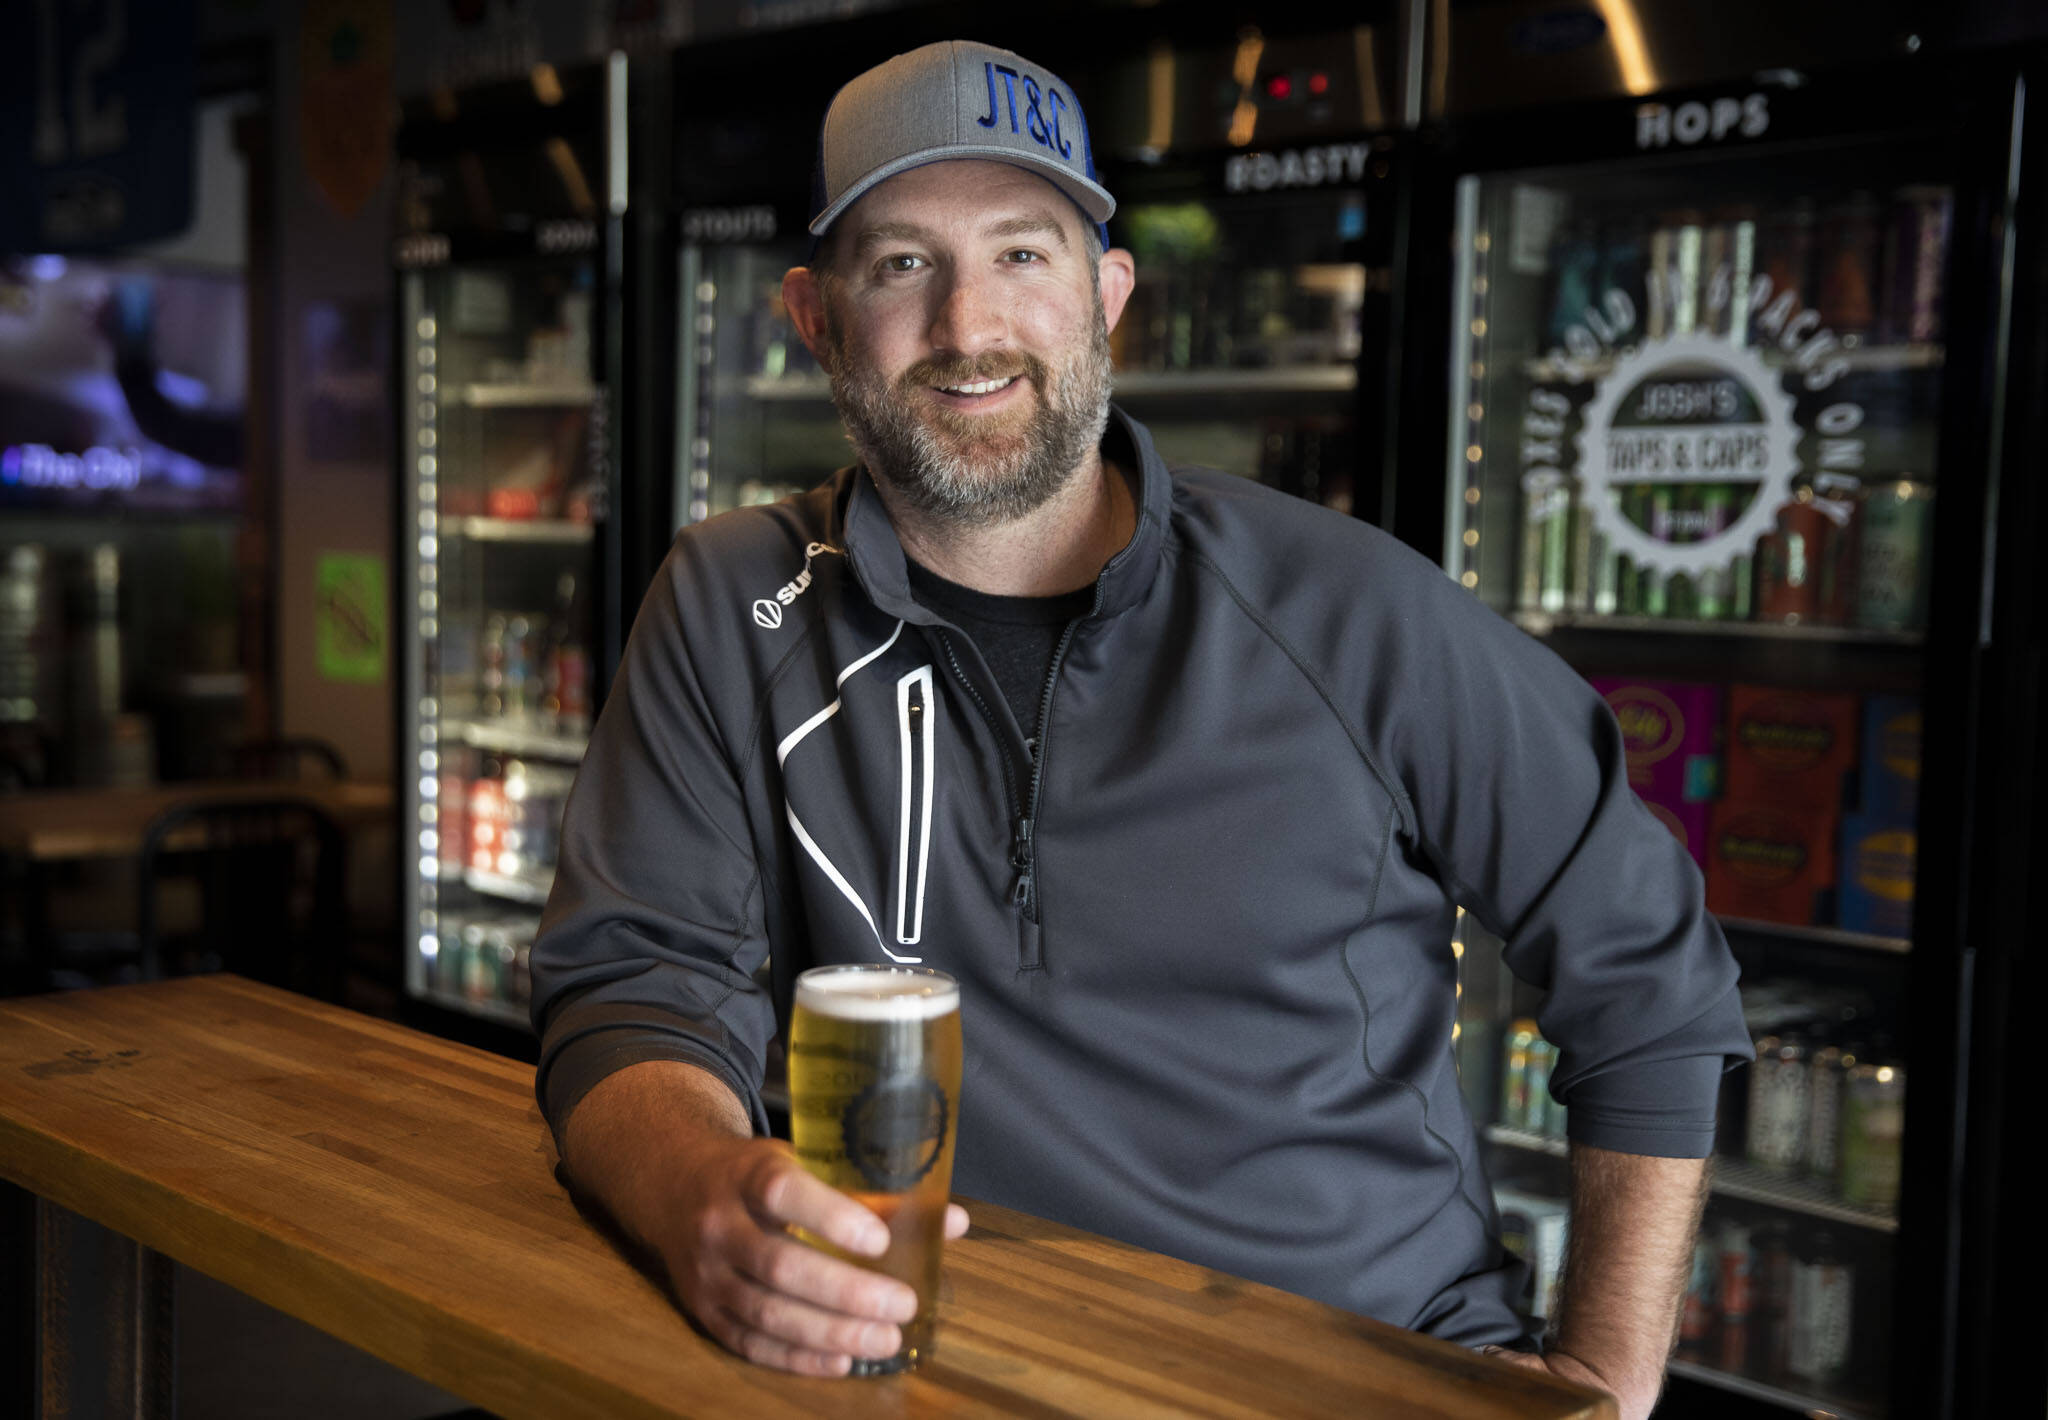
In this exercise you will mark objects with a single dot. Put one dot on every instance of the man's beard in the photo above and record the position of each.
(975, 470)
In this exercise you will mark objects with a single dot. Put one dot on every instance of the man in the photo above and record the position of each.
(1179, 776)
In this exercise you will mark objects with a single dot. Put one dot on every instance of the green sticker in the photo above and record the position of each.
(351, 617)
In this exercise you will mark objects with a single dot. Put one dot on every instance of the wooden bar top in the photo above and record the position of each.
(397, 1191)
(55, 824)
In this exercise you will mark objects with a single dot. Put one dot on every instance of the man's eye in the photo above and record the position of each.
(1022, 256)
(901, 262)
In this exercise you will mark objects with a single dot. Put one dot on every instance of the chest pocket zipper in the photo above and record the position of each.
(916, 740)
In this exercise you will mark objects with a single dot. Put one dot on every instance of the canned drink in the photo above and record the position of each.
(1696, 1320)
(450, 967)
(1779, 1089)
(1873, 1124)
(1891, 562)
(1546, 540)
(1514, 1085)
(1916, 264)
(1790, 561)
(1823, 1313)
(1715, 587)
(491, 667)
(452, 819)
(521, 680)
(1850, 248)
(1824, 1111)
(1536, 1099)
(1737, 1271)
(1771, 1298)
(487, 818)
(1838, 563)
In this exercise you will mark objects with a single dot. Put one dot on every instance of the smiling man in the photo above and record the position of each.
(1181, 778)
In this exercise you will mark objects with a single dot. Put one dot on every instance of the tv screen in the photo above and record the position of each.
(121, 386)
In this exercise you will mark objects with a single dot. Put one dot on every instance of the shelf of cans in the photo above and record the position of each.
(479, 964)
(1799, 806)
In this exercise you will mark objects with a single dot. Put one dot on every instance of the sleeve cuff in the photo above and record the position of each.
(571, 1072)
(1661, 1108)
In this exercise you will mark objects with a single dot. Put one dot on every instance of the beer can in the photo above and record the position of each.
(1771, 1299)
(1838, 563)
(1851, 256)
(1696, 1319)
(1790, 561)
(1779, 1088)
(449, 968)
(1514, 1084)
(1916, 258)
(1824, 1111)
(1536, 1097)
(487, 814)
(491, 652)
(1546, 540)
(1873, 1123)
(521, 695)
(1714, 588)
(1891, 582)
(1737, 1272)
(1823, 1313)
(1785, 249)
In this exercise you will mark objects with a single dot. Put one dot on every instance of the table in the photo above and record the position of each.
(397, 1191)
(53, 825)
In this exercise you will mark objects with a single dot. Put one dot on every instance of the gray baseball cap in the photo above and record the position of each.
(954, 99)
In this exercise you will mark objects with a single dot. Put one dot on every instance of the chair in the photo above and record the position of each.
(288, 758)
(271, 903)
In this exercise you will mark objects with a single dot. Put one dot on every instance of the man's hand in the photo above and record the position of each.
(667, 1151)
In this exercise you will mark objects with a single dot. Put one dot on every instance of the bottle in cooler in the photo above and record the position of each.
(1696, 1318)
(1546, 540)
(1790, 563)
(1771, 1300)
(1916, 260)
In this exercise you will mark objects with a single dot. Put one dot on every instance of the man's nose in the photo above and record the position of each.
(969, 319)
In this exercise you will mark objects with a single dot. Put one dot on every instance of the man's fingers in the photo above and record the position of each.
(956, 1220)
(794, 1269)
(780, 1192)
(771, 1351)
(808, 1327)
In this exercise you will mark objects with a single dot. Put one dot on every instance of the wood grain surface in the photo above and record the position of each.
(57, 824)
(397, 1191)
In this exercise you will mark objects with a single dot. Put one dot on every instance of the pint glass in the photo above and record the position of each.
(874, 1083)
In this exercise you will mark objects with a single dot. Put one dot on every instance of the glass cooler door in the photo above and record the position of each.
(507, 496)
(1693, 447)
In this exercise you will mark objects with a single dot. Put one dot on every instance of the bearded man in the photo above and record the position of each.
(1202, 772)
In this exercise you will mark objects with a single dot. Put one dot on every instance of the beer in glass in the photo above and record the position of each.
(874, 1085)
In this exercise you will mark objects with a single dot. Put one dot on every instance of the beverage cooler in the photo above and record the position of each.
(511, 565)
(1715, 379)
(1255, 174)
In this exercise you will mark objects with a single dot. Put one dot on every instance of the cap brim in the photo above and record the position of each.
(1092, 198)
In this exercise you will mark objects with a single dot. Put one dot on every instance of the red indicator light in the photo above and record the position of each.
(1319, 83)
(1279, 86)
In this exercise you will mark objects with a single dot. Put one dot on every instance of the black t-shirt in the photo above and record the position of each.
(1017, 635)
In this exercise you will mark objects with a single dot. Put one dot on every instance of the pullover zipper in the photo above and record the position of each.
(1023, 848)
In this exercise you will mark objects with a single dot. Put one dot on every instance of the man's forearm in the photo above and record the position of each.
(625, 1143)
(1633, 1223)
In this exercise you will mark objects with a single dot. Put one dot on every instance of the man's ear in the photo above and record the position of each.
(803, 296)
(1116, 273)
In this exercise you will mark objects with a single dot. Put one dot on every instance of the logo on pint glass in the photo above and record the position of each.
(894, 1129)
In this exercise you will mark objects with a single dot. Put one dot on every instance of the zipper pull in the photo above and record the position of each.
(1021, 860)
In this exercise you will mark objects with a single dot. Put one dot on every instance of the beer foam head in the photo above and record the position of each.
(877, 993)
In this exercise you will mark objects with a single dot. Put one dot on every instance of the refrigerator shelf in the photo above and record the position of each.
(522, 396)
(1543, 623)
(528, 890)
(558, 531)
(1795, 1401)
(503, 1013)
(1857, 358)
(1146, 384)
(1734, 1179)
(512, 737)
(1820, 936)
